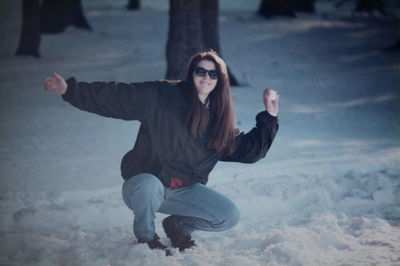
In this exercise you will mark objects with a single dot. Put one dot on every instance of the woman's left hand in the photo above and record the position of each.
(271, 100)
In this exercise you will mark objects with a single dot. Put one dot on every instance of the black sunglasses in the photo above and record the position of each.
(201, 72)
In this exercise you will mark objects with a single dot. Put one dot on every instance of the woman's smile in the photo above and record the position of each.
(204, 84)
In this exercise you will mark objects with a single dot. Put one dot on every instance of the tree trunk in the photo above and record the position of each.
(369, 6)
(193, 27)
(57, 15)
(210, 30)
(184, 36)
(30, 33)
(133, 4)
(269, 8)
(304, 5)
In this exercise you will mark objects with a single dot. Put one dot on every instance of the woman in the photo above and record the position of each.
(186, 128)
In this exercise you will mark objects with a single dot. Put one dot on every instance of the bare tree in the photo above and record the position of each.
(210, 27)
(30, 33)
(210, 31)
(184, 35)
(47, 16)
(57, 15)
(133, 4)
(193, 27)
(270, 8)
(304, 6)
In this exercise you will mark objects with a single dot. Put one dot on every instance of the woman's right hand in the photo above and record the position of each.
(55, 83)
(271, 101)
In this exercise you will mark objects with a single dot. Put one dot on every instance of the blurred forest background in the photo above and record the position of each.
(193, 24)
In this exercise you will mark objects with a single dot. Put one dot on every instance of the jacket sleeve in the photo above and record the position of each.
(253, 146)
(112, 99)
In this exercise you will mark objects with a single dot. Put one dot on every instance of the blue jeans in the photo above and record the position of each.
(195, 207)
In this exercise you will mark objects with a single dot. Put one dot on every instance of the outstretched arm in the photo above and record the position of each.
(253, 145)
(110, 99)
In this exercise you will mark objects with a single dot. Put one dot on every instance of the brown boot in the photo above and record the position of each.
(178, 240)
(155, 243)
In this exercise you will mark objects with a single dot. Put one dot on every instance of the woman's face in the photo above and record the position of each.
(204, 81)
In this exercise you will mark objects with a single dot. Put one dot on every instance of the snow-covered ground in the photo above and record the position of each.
(328, 192)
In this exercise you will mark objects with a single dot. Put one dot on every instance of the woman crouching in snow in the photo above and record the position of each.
(186, 128)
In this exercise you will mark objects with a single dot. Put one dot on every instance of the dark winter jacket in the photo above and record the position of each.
(164, 147)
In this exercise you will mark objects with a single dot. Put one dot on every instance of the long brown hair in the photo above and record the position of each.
(222, 132)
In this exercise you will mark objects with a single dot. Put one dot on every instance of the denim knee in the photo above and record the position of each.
(227, 219)
(141, 187)
(232, 216)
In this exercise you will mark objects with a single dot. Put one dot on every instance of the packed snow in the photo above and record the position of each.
(328, 192)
